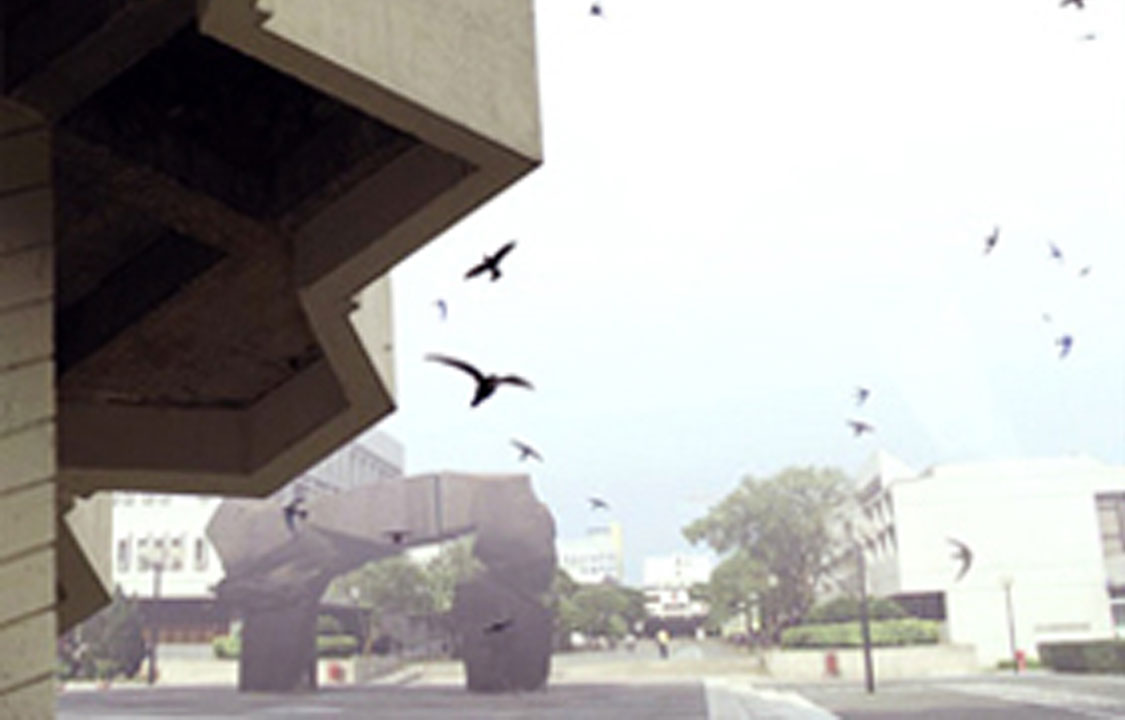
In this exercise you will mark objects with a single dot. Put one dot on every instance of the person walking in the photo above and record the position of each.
(662, 640)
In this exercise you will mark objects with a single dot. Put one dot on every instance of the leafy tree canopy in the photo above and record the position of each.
(778, 535)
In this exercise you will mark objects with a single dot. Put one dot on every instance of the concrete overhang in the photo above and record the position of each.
(231, 178)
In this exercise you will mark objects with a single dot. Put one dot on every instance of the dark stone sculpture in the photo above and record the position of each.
(276, 571)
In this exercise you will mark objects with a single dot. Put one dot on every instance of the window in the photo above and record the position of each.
(200, 554)
(123, 555)
(176, 554)
(143, 554)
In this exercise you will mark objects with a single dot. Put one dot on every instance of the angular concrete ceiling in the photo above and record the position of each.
(229, 178)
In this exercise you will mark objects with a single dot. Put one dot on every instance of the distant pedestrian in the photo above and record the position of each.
(662, 640)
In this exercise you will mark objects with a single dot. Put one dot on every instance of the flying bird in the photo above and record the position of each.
(991, 240)
(859, 427)
(596, 9)
(486, 384)
(598, 504)
(962, 554)
(491, 263)
(397, 536)
(861, 395)
(498, 626)
(526, 451)
(1080, 4)
(1064, 342)
(293, 510)
(442, 308)
(1056, 253)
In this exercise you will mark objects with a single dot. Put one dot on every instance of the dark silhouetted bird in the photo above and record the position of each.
(1056, 253)
(1085, 271)
(293, 510)
(596, 9)
(443, 309)
(1064, 342)
(498, 626)
(598, 504)
(991, 240)
(1076, 3)
(526, 451)
(491, 263)
(962, 554)
(861, 395)
(486, 384)
(397, 536)
(859, 427)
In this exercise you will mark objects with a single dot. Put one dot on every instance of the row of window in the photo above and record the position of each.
(147, 551)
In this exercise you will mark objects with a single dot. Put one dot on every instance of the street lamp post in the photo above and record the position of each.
(865, 620)
(1007, 583)
(157, 571)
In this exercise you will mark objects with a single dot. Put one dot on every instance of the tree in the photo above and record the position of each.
(113, 639)
(778, 535)
(454, 564)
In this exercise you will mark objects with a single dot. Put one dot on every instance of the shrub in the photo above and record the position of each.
(226, 647)
(337, 646)
(846, 609)
(230, 646)
(328, 625)
(884, 633)
(1098, 656)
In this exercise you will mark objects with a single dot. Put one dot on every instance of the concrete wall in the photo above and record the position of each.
(27, 409)
(890, 663)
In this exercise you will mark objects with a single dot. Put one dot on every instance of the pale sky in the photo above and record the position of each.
(746, 209)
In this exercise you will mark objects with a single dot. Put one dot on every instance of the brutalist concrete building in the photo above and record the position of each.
(198, 199)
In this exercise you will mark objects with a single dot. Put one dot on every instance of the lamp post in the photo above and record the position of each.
(1006, 581)
(156, 562)
(864, 615)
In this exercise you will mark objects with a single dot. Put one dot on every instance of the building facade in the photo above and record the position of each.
(596, 557)
(667, 585)
(1047, 538)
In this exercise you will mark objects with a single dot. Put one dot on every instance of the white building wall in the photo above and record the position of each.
(667, 580)
(1033, 523)
(596, 557)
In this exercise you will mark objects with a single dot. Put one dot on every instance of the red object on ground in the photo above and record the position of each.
(831, 665)
(1021, 660)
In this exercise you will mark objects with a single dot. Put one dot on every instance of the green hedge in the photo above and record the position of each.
(884, 633)
(846, 609)
(230, 646)
(1095, 656)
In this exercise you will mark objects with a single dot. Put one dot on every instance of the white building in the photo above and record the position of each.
(1049, 532)
(147, 525)
(596, 557)
(667, 582)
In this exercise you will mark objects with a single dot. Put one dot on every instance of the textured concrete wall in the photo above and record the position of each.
(27, 408)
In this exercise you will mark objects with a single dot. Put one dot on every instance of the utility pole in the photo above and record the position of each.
(157, 570)
(865, 620)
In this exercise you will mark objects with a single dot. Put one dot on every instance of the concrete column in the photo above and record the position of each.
(27, 419)
(279, 646)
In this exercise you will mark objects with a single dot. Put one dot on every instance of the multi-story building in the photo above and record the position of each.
(1047, 538)
(596, 557)
(171, 529)
(667, 585)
